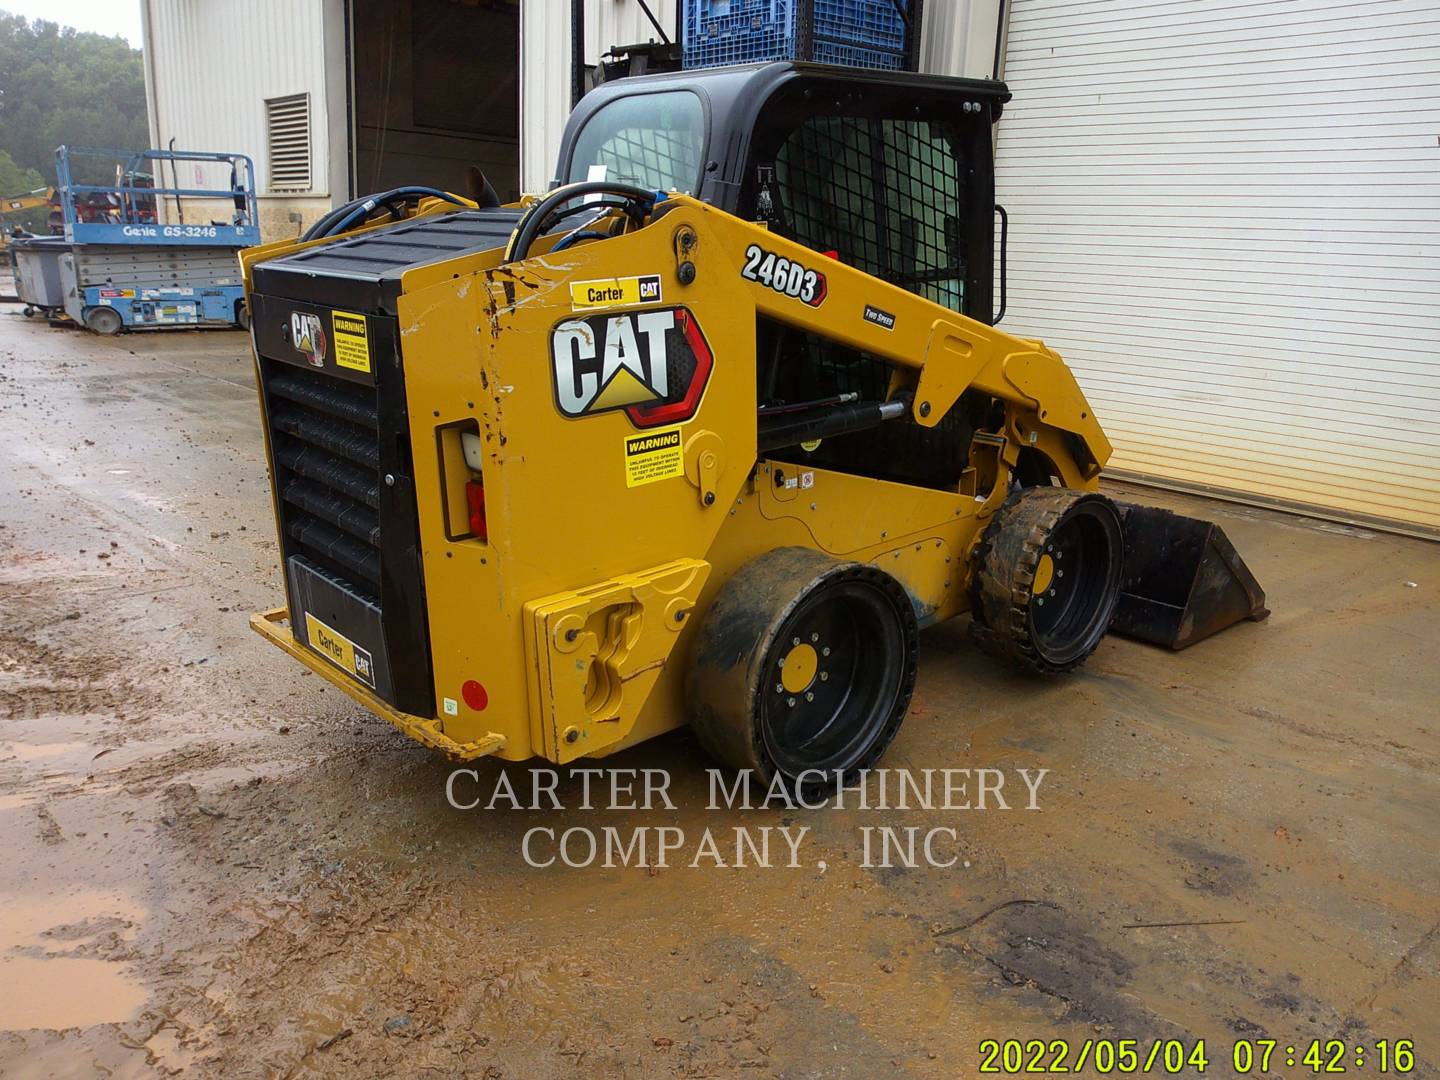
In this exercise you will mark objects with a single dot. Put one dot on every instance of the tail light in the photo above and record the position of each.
(475, 500)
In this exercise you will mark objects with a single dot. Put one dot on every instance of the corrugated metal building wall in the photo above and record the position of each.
(1225, 214)
(209, 69)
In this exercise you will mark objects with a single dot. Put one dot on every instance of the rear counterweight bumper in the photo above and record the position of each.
(274, 626)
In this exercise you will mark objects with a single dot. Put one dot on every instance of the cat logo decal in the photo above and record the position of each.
(652, 364)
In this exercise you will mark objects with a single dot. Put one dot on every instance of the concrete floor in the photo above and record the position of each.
(214, 862)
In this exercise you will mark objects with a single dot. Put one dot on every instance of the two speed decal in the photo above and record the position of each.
(785, 277)
(882, 319)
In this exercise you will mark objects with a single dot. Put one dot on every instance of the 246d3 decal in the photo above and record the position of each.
(785, 277)
(652, 364)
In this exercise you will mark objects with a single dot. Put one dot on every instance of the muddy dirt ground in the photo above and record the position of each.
(212, 862)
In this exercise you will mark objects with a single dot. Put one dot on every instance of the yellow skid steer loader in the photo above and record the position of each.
(705, 434)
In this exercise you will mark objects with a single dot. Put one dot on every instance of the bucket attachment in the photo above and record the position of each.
(1183, 580)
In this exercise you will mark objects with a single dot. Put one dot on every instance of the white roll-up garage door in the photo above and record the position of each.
(1226, 215)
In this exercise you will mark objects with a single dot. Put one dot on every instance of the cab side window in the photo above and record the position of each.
(886, 195)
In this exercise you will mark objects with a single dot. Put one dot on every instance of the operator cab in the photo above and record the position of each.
(891, 171)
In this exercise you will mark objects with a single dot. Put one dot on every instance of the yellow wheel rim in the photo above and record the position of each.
(798, 670)
(1044, 575)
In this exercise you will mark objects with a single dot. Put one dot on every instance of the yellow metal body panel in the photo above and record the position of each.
(629, 560)
(596, 653)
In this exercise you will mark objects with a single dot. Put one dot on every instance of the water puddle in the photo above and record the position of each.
(33, 752)
(50, 975)
(65, 992)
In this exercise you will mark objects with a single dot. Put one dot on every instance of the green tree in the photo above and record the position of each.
(16, 181)
(60, 85)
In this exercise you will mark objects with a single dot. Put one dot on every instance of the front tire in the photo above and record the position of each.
(803, 668)
(1047, 577)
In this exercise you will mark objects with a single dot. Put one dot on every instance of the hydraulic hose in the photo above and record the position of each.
(343, 217)
(326, 224)
(329, 218)
(575, 237)
(535, 222)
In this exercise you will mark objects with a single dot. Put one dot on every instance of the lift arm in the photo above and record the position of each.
(26, 200)
(947, 352)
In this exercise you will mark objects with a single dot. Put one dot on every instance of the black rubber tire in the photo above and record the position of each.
(861, 627)
(242, 315)
(28, 312)
(104, 320)
(1009, 619)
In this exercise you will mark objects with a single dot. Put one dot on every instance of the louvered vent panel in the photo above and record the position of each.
(288, 124)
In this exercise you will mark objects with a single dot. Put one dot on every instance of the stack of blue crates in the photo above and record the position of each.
(853, 33)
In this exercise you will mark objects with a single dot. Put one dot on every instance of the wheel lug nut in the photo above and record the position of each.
(825, 651)
(814, 637)
(779, 688)
(795, 641)
(824, 676)
(790, 702)
(1040, 601)
(1052, 592)
(809, 696)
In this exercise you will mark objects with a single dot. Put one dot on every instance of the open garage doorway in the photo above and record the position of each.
(435, 89)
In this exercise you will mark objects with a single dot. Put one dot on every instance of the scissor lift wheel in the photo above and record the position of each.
(804, 666)
(1047, 577)
(104, 320)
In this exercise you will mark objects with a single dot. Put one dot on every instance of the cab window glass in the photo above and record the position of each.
(653, 140)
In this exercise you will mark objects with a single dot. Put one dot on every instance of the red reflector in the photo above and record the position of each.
(475, 695)
(831, 254)
(475, 499)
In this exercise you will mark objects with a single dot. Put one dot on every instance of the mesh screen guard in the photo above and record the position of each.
(885, 194)
(888, 196)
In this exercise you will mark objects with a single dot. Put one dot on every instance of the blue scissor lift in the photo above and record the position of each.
(122, 267)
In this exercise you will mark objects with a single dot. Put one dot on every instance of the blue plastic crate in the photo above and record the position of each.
(846, 55)
(719, 32)
(871, 23)
(859, 33)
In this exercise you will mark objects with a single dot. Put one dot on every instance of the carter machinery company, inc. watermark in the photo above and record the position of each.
(741, 845)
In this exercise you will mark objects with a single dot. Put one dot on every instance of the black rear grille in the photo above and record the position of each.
(345, 501)
(347, 401)
(361, 522)
(330, 547)
(344, 440)
(315, 463)
(325, 436)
